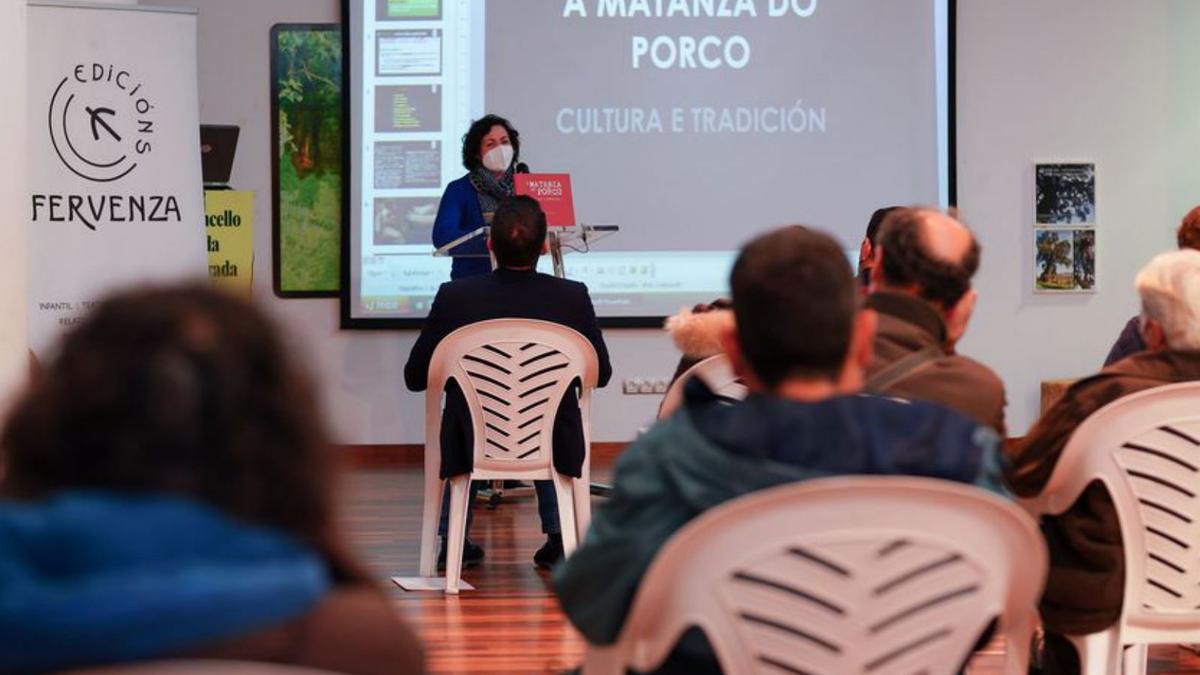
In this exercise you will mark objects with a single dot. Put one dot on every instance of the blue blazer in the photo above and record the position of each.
(459, 213)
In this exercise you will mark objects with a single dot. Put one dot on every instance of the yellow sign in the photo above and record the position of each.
(229, 222)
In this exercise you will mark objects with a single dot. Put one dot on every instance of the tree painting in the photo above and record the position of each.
(1054, 261)
(307, 70)
(1085, 259)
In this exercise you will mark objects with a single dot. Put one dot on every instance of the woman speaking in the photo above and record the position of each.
(491, 150)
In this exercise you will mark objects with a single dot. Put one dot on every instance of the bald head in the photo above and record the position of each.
(944, 238)
(928, 253)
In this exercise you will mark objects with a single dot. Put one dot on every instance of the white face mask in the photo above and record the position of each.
(498, 158)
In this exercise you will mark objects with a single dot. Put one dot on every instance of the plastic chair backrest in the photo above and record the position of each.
(1145, 449)
(716, 372)
(844, 575)
(513, 374)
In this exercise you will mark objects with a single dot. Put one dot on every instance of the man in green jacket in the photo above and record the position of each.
(801, 345)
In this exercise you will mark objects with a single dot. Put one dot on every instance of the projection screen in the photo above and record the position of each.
(689, 124)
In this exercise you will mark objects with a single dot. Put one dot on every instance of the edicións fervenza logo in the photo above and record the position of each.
(100, 122)
(102, 127)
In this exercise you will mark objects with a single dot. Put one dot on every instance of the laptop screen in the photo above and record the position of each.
(218, 143)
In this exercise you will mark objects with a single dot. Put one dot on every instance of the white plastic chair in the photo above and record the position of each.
(840, 575)
(716, 372)
(1145, 448)
(513, 374)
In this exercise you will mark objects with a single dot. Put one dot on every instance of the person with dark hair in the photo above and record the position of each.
(800, 343)
(921, 289)
(866, 250)
(1130, 341)
(515, 290)
(518, 233)
(168, 492)
(491, 155)
(695, 331)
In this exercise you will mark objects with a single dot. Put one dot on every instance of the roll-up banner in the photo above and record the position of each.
(116, 195)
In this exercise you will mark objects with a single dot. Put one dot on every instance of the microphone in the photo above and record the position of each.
(522, 167)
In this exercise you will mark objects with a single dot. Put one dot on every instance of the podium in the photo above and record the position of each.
(576, 239)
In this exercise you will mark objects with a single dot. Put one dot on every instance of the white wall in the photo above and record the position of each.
(362, 372)
(14, 196)
(1109, 81)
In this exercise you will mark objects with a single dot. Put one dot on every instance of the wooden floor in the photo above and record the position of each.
(511, 623)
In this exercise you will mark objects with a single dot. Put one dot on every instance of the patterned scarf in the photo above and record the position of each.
(492, 190)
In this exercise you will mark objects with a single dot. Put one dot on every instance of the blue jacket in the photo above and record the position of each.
(93, 577)
(710, 452)
(459, 213)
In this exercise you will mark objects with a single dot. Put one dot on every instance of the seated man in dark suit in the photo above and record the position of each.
(515, 290)
(800, 344)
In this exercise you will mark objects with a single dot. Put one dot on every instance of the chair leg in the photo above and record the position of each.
(460, 492)
(431, 514)
(564, 491)
(1018, 643)
(581, 487)
(1099, 653)
(1134, 659)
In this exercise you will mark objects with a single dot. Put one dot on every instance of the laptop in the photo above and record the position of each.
(218, 143)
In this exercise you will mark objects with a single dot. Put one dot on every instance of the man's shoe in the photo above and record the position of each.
(550, 553)
(472, 555)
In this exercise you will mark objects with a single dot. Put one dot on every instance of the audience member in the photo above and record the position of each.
(866, 250)
(1130, 340)
(514, 290)
(1086, 583)
(697, 332)
(801, 344)
(169, 493)
(921, 290)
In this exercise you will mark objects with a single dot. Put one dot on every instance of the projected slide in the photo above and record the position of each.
(690, 124)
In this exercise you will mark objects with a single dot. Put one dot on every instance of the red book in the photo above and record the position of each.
(553, 192)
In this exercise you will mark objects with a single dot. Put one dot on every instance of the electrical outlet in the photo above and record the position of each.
(645, 385)
(642, 386)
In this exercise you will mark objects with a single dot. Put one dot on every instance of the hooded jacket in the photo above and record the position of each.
(712, 451)
(92, 577)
